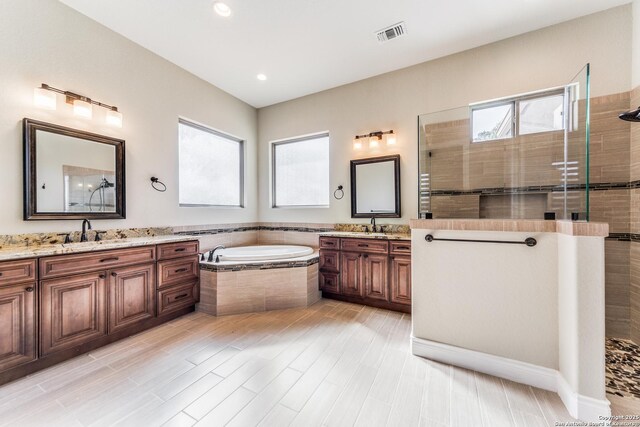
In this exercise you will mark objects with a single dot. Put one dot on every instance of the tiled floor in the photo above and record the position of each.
(331, 364)
(623, 368)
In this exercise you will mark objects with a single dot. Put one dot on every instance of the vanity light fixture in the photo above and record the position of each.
(82, 108)
(45, 97)
(374, 139)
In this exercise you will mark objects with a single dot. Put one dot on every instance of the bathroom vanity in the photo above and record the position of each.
(54, 307)
(372, 270)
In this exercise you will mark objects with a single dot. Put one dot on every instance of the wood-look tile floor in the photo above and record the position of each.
(331, 364)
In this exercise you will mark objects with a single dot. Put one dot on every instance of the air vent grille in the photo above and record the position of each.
(392, 32)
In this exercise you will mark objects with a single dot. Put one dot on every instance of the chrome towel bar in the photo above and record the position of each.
(529, 241)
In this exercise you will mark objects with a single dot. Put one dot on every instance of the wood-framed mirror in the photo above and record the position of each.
(375, 187)
(71, 174)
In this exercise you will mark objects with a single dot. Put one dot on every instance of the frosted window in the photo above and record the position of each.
(542, 114)
(301, 172)
(492, 122)
(211, 167)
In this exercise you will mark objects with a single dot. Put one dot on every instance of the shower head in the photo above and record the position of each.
(105, 183)
(631, 116)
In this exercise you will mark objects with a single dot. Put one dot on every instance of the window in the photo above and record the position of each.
(210, 167)
(540, 114)
(493, 122)
(523, 115)
(301, 172)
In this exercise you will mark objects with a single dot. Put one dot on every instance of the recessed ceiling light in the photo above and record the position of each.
(261, 77)
(222, 9)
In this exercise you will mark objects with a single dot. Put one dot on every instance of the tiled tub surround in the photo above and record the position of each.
(530, 314)
(234, 288)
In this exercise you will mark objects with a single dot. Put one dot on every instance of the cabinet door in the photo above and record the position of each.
(329, 282)
(376, 276)
(17, 325)
(401, 280)
(351, 274)
(132, 296)
(73, 311)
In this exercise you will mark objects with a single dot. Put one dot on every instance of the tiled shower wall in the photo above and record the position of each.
(458, 169)
(634, 291)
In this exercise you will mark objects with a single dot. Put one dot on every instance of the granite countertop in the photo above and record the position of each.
(18, 252)
(364, 235)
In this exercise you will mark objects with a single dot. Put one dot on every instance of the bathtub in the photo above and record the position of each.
(249, 279)
(262, 253)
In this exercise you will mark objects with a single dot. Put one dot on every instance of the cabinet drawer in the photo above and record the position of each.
(17, 271)
(177, 271)
(365, 245)
(330, 261)
(329, 282)
(330, 243)
(401, 247)
(64, 265)
(177, 297)
(178, 250)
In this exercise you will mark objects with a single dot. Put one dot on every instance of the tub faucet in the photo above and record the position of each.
(211, 252)
(85, 223)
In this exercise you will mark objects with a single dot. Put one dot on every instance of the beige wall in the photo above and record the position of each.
(541, 59)
(45, 41)
(635, 78)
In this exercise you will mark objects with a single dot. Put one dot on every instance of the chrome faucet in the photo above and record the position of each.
(211, 252)
(85, 223)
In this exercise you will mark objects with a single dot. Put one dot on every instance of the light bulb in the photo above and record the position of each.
(44, 98)
(373, 142)
(391, 139)
(222, 9)
(357, 144)
(82, 109)
(114, 118)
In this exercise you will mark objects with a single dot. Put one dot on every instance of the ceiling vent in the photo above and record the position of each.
(391, 32)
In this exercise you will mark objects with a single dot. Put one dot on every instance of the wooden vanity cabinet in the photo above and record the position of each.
(367, 271)
(56, 307)
(17, 313)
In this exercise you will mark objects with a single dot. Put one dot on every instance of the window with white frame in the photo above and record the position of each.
(523, 115)
(300, 172)
(211, 167)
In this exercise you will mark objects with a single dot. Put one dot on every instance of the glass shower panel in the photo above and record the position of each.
(518, 158)
(575, 169)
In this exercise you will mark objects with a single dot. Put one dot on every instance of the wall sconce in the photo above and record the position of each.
(45, 97)
(374, 139)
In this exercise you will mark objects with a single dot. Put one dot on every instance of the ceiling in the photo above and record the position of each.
(306, 46)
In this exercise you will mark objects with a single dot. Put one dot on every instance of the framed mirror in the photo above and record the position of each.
(375, 187)
(71, 174)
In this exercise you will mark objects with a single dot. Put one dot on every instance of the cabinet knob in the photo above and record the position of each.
(29, 289)
(366, 256)
(114, 274)
(102, 276)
